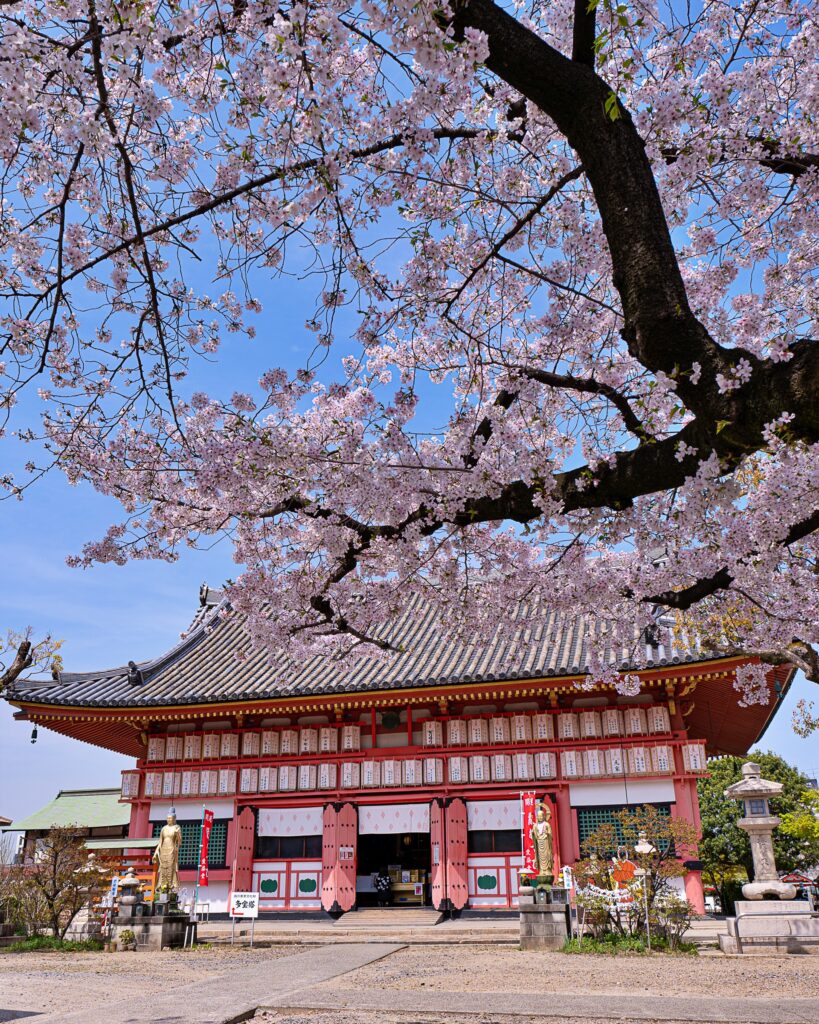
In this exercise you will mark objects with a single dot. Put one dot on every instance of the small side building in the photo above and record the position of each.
(98, 813)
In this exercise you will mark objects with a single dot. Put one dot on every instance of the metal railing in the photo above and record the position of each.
(773, 913)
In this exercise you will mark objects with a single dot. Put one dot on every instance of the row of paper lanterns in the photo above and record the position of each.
(428, 771)
(504, 729)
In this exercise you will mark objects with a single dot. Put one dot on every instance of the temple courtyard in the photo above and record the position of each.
(390, 983)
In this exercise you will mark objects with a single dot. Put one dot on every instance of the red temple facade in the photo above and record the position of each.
(323, 775)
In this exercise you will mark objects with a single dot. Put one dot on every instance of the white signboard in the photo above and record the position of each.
(244, 904)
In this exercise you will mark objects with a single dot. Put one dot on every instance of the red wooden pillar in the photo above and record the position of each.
(569, 846)
(140, 824)
(243, 860)
(456, 853)
(687, 806)
(437, 842)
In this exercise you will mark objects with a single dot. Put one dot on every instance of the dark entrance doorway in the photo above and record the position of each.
(407, 858)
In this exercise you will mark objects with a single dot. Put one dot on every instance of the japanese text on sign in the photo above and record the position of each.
(244, 904)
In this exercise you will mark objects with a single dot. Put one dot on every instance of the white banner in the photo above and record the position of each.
(389, 819)
(290, 821)
(493, 815)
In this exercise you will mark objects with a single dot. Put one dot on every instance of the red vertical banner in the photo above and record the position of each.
(207, 826)
(528, 814)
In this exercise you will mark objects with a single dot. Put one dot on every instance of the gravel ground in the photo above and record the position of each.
(336, 1017)
(41, 982)
(504, 968)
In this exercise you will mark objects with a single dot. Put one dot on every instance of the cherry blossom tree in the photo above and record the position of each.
(576, 243)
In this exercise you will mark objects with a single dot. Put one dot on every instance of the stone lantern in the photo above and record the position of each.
(759, 823)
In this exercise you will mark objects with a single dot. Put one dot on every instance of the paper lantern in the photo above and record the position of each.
(590, 726)
(192, 748)
(227, 781)
(288, 778)
(639, 762)
(308, 776)
(458, 770)
(249, 780)
(327, 775)
(521, 728)
(288, 742)
(568, 727)
(545, 765)
(432, 734)
(210, 746)
(251, 743)
(370, 774)
(634, 720)
(350, 775)
(156, 748)
(570, 764)
(501, 768)
(412, 773)
(229, 745)
(433, 771)
(499, 730)
(269, 743)
(612, 721)
(268, 779)
(130, 785)
(308, 741)
(658, 719)
(615, 761)
(662, 760)
(478, 731)
(694, 757)
(593, 763)
(328, 739)
(173, 748)
(456, 732)
(350, 738)
(190, 784)
(208, 782)
(390, 773)
(523, 767)
(479, 768)
(544, 727)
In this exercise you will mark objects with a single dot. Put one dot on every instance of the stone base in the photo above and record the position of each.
(154, 933)
(542, 925)
(766, 927)
(769, 890)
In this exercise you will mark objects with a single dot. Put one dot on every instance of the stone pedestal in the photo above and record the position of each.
(769, 926)
(542, 925)
(153, 932)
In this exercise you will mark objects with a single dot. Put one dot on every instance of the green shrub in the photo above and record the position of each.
(615, 944)
(46, 942)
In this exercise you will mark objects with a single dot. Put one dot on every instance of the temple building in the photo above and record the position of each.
(324, 774)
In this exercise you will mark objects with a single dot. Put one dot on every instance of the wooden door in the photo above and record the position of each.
(437, 841)
(456, 855)
(329, 859)
(347, 850)
(243, 862)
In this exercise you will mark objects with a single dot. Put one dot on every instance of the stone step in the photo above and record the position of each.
(389, 917)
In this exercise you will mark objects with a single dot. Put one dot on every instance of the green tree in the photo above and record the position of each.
(724, 848)
(803, 824)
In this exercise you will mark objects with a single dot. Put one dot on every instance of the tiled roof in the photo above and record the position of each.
(205, 668)
(86, 808)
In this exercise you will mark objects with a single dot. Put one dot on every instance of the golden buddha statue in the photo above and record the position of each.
(166, 854)
(542, 841)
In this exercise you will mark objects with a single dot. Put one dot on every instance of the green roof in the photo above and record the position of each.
(86, 808)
